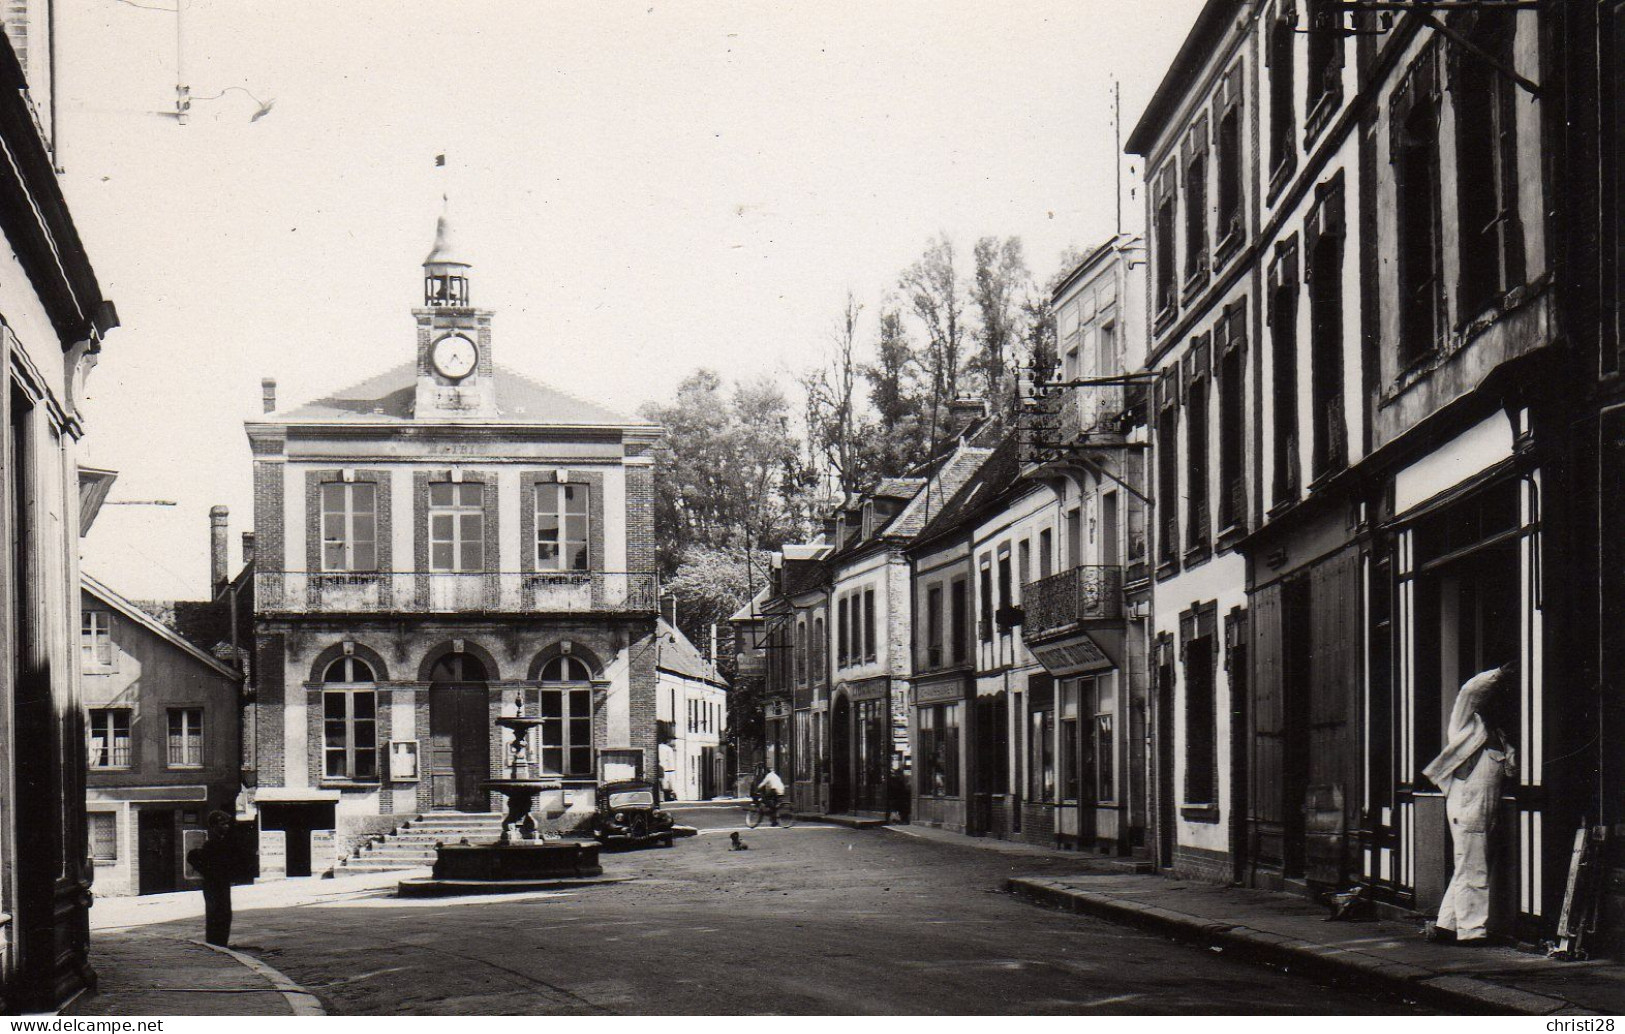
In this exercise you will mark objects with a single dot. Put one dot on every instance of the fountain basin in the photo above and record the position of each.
(528, 860)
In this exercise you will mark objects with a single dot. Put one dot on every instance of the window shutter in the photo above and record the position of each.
(1196, 140)
(1420, 84)
(1165, 186)
(1230, 93)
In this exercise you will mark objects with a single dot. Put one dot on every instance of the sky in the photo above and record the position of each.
(643, 189)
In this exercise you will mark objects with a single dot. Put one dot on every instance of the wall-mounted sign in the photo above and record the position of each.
(403, 761)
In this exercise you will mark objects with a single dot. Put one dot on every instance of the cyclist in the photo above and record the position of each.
(769, 789)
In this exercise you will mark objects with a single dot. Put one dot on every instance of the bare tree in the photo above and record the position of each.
(832, 400)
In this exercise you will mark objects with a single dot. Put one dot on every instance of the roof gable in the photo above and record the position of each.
(152, 625)
(392, 395)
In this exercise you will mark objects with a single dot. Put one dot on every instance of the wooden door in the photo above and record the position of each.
(156, 841)
(840, 740)
(459, 745)
(1267, 716)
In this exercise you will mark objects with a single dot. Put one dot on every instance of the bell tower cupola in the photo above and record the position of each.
(455, 376)
(445, 271)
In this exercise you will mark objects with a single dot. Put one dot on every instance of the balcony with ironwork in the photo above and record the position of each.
(1072, 599)
(443, 592)
(1073, 620)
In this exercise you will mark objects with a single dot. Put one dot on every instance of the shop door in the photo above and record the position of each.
(872, 736)
(708, 768)
(1165, 753)
(1297, 691)
(840, 742)
(459, 734)
(1471, 624)
(991, 752)
(156, 835)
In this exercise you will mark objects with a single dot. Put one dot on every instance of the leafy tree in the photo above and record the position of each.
(728, 468)
(933, 292)
(710, 584)
(899, 398)
(999, 287)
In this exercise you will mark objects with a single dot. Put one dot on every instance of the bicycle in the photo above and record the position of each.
(782, 815)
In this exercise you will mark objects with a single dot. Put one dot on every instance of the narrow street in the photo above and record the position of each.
(811, 920)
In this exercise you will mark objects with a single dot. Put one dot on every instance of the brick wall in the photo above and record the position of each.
(1038, 824)
(1194, 863)
(642, 698)
(271, 666)
(270, 538)
(640, 518)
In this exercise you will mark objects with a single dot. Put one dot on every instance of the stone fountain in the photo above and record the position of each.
(522, 856)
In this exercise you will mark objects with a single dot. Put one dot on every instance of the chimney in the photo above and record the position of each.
(965, 411)
(268, 394)
(668, 609)
(248, 547)
(217, 546)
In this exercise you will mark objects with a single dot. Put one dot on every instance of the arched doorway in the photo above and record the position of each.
(459, 733)
(840, 747)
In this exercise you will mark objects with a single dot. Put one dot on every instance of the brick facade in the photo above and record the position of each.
(270, 665)
(269, 535)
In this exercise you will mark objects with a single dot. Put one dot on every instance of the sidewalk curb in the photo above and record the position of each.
(301, 1001)
(1446, 990)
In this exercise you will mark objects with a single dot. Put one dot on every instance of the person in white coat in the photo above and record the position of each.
(1475, 761)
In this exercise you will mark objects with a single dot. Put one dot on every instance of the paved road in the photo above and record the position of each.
(815, 919)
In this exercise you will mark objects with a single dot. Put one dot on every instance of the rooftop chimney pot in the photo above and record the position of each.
(217, 546)
(268, 394)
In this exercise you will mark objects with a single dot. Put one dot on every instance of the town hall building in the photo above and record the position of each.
(432, 545)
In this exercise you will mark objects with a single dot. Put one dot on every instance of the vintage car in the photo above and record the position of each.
(628, 814)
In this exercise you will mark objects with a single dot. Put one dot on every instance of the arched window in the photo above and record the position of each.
(349, 721)
(457, 667)
(351, 670)
(566, 709)
(565, 669)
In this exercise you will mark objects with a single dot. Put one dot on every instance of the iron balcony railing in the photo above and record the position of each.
(1072, 597)
(441, 592)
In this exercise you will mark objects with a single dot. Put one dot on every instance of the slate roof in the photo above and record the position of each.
(800, 575)
(929, 502)
(390, 396)
(676, 654)
(897, 488)
(752, 610)
(996, 475)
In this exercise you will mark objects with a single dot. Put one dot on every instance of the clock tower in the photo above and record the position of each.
(454, 373)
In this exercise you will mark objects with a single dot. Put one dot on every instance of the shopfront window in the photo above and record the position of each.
(804, 745)
(937, 763)
(1041, 755)
(1104, 745)
(1071, 769)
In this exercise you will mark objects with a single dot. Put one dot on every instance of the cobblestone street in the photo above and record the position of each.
(815, 919)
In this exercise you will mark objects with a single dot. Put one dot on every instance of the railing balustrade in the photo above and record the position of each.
(431, 592)
(1086, 593)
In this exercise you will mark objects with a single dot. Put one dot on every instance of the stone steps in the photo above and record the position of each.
(412, 846)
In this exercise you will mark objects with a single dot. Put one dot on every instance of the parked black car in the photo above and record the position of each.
(628, 814)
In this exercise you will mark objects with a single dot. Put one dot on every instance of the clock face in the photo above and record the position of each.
(455, 356)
